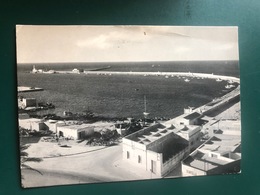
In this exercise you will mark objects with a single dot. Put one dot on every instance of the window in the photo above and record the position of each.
(139, 159)
(127, 154)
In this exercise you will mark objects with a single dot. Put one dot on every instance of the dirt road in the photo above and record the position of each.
(104, 165)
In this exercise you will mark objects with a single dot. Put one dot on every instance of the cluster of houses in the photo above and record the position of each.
(68, 129)
(160, 148)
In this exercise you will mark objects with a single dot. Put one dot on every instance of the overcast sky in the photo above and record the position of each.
(40, 44)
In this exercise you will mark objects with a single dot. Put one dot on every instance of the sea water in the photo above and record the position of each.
(123, 96)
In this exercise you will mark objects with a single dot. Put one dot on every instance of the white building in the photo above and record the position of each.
(191, 133)
(26, 102)
(158, 149)
(34, 70)
(221, 154)
(32, 124)
(76, 71)
(76, 131)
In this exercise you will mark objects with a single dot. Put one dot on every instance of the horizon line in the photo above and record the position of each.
(128, 61)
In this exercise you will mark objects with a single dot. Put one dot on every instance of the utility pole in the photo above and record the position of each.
(145, 113)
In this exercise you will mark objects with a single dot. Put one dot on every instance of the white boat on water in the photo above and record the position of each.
(218, 80)
(187, 80)
(229, 86)
(230, 81)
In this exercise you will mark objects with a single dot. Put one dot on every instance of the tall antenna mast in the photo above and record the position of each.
(145, 113)
(144, 103)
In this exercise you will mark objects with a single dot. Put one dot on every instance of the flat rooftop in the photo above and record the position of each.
(35, 120)
(226, 146)
(187, 128)
(227, 125)
(151, 134)
(193, 115)
(172, 147)
(75, 126)
(157, 131)
(222, 143)
(203, 162)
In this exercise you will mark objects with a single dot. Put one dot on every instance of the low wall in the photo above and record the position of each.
(170, 164)
(191, 171)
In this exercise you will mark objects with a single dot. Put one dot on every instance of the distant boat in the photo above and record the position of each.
(230, 81)
(229, 86)
(187, 80)
(218, 80)
(166, 77)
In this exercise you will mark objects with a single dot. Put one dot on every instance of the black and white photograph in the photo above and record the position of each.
(103, 103)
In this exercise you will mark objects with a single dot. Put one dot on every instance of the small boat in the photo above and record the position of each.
(145, 114)
(187, 80)
(229, 86)
(166, 77)
(230, 81)
(218, 80)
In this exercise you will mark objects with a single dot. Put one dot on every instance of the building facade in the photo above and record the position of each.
(75, 131)
(158, 149)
